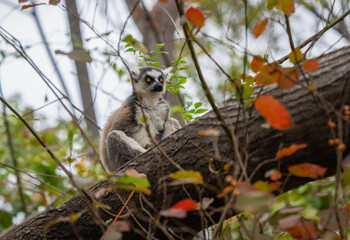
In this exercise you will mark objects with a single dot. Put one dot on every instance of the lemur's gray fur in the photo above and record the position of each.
(124, 135)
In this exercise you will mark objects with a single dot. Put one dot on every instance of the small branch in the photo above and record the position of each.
(53, 156)
(209, 96)
(38, 179)
(317, 35)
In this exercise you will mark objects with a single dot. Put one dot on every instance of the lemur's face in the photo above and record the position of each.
(150, 80)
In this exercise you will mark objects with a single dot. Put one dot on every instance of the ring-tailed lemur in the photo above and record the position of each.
(124, 135)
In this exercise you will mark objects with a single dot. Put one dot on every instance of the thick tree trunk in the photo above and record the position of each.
(82, 72)
(191, 151)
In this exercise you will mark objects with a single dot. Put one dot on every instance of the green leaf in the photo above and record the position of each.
(160, 45)
(201, 110)
(6, 220)
(197, 105)
(134, 188)
(248, 103)
(135, 44)
(182, 80)
(346, 177)
(120, 72)
(143, 119)
(130, 50)
(187, 116)
(190, 176)
(271, 4)
(247, 91)
(109, 221)
(141, 182)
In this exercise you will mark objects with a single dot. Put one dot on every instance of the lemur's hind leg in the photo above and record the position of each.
(121, 149)
(170, 126)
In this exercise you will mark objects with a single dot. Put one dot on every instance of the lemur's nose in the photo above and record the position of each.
(158, 87)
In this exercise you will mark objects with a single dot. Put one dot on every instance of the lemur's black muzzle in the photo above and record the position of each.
(157, 87)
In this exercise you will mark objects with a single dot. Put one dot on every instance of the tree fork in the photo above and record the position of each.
(191, 151)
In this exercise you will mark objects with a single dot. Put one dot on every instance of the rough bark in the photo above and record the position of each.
(310, 127)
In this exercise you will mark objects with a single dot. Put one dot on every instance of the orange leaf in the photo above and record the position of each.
(211, 132)
(311, 65)
(31, 5)
(286, 6)
(273, 174)
(196, 16)
(274, 112)
(347, 208)
(290, 150)
(259, 28)
(284, 82)
(186, 204)
(226, 190)
(295, 56)
(267, 75)
(307, 170)
(257, 62)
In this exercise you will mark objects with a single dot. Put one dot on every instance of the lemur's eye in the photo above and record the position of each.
(161, 80)
(148, 80)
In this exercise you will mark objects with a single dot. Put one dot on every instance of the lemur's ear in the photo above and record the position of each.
(166, 72)
(135, 74)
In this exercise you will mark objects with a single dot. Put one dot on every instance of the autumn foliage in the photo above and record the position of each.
(239, 172)
(274, 112)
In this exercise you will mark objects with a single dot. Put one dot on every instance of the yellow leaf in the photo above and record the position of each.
(295, 56)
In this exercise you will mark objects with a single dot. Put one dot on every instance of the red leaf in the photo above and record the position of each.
(180, 209)
(22, 1)
(186, 204)
(164, 1)
(307, 170)
(290, 150)
(311, 65)
(274, 112)
(259, 28)
(196, 16)
(31, 5)
(54, 2)
(257, 62)
(304, 230)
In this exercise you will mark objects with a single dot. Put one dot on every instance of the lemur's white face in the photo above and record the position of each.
(150, 81)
